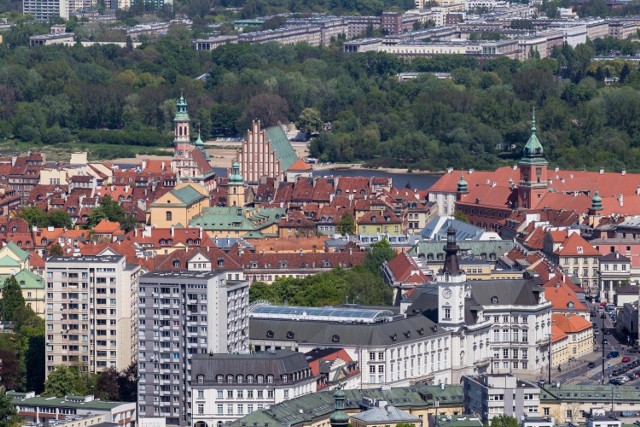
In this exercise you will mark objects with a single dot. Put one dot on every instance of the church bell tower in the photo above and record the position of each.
(533, 172)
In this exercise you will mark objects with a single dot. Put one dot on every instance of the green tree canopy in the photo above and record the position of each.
(12, 299)
(109, 210)
(8, 414)
(504, 421)
(347, 224)
(378, 253)
(310, 121)
(107, 385)
(65, 380)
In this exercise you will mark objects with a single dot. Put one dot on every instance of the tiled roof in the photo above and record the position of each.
(575, 245)
(375, 217)
(570, 323)
(187, 194)
(299, 165)
(562, 297)
(557, 334)
(405, 269)
(106, 226)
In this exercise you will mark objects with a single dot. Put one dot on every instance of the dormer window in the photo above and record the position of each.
(176, 263)
(220, 262)
(200, 379)
(494, 299)
(373, 218)
(283, 264)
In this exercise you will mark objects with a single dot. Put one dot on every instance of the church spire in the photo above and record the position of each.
(533, 147)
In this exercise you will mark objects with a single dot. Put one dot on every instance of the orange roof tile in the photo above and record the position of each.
(299, 165)
(562, 297)
(557, 334)
(106, 226)
(575, 245)
(571, 323)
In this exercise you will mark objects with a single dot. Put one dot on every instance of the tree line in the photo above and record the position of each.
(107, 96)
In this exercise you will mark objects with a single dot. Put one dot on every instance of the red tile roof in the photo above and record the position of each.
(575, 245)
(405, 269)
(571, 323)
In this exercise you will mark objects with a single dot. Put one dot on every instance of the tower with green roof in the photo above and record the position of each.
(463, 188)
(181, 125)
(235, 189)
(339, 418)
(533, 171)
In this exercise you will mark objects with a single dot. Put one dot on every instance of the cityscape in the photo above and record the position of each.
(252, 214)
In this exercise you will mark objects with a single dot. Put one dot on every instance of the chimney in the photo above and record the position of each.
(171, 228)
(515, 167)
(200, 232)
(624, 172)
(470, 171)
(162, 166)
(556, 169)
(621, 200)
(601, 170)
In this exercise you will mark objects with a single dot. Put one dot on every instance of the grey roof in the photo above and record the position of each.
(330, 333)
(387, 414)
(628, 290)
(181, 274)
(521, 292)
(85, 258)
(614, 256)
(276, 363)
(436, 229)
(467, 247)
(589, 393)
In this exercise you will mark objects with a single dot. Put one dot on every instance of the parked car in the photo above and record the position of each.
(592, 314)
(613, 354)
(607, 332)
(591, 365)
(626, 359)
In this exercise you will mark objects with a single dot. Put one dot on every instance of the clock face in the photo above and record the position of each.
(446, 293)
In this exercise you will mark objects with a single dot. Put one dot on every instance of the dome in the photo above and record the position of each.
(462, 185)
(339, 418)
(596, 202)
(235, 178)
(199, 142)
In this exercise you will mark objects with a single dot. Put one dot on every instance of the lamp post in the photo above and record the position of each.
(549, 359)
(603, 317)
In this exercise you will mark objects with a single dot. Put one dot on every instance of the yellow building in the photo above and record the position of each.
(579, 332)
(13, 259)
(231, 221)
(179, 206)
(235, 189)
(32, 287)
(559, 347)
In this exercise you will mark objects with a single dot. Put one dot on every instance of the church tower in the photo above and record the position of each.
(451, 286)
(533, 172)
(235, 189)
(182, 138)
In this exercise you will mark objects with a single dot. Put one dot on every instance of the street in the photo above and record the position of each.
(577, 370)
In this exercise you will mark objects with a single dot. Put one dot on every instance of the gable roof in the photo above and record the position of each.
(575, 245)
(571, 323)
(281, 145)
(405, 270)
(299, 165)
(187, 194)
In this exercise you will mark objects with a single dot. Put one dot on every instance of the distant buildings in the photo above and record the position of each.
(182, 314)
(43, 10)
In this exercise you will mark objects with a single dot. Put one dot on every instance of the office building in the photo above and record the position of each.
(229, 386)
(182, 314)
(490, 396)
(90, 312)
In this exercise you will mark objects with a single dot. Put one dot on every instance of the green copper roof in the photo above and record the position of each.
(29, 280)
(533, 147)
(462, 185)
(187, 195)
(280, 143)
(235, 178)
(181, 110)
(232, 218)
(199, 142)
(596, 202)
(22, 254)
(9, 262)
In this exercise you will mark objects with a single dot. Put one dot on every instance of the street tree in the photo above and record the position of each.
(8, 414)
(12, 299)
(346, 224)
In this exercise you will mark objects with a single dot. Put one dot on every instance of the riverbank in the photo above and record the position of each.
(359, 166)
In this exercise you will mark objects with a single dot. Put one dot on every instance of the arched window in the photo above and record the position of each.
(168, 215)
(176, 263)
(270, 379)
(259, 379)
(219, 379)
(239, 379)
(250, 379)
(229, 379)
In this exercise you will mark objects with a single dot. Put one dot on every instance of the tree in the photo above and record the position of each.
(107, 385)
(128, 383)
(504, 421)
(56, 250)
(108, 209)
(268, 108)
(8, 414)
(34, 216)
(310, 121)
(377, 255)
(64, 380)
(346, 224)
(9, 372)
(59, 219)
(12, 299)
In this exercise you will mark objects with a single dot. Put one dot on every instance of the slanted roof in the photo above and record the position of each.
(20, 253)
(557, 334)
(7, 261)
(299, 165)
(575, 245)
(385, 415)
(281, 145)
(187, 194)
(571, 324)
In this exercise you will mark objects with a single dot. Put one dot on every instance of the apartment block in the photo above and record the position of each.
(43, 10)
(182, 314)
(90, 312)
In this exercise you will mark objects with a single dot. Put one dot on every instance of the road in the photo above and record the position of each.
(577, 370)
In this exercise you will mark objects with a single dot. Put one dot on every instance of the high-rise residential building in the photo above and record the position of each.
(43, 10)
(90, 312)
(181, 314)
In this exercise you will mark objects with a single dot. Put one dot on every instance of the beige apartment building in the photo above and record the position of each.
(91, 312)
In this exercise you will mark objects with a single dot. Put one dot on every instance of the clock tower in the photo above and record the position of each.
(533, 172)
(451, 286)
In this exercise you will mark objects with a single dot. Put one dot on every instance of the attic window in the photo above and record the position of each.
(283, 264)
(270, 333)
(335, 338)
(200, 379)
(494, 300)
(579, 249)
(373, 218)
(220, 262)
(176, 263)
(254, 265)
(570, 304)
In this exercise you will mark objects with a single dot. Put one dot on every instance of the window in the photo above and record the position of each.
(220, 409)
(168, 215)
(447, 313)
(545, 411)
(200, 394)
(200, 408)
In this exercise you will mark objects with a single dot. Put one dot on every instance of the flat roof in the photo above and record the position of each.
(168, 274)
(267, 311)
